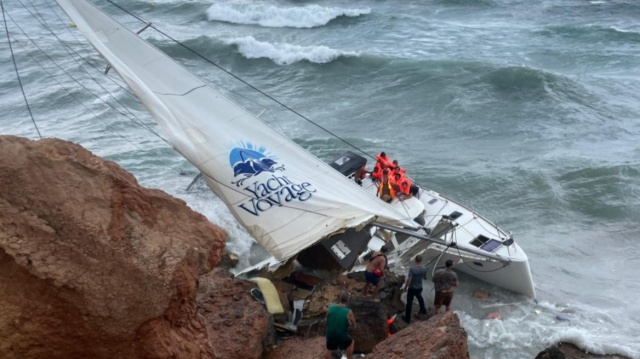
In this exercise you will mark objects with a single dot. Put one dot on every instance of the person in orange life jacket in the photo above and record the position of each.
(402, 185)
(376, 174)
(383, 158)
(396, 165)
(385, 189)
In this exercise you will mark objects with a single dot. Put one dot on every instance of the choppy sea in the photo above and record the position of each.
(527, 111)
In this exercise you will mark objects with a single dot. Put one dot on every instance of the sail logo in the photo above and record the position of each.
(265, 193)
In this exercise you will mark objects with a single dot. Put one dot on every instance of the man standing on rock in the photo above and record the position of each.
(444, 281)
(375, 271)
(339, 318)
(413, 287)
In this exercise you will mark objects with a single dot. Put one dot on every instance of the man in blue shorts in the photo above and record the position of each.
(375, 271)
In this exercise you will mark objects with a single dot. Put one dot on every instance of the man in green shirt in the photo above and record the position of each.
(339, 317)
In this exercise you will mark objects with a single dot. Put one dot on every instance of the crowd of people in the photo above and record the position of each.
(340, 319)
(390, 178)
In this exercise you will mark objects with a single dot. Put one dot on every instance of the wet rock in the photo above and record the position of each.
(229, 260)
(481, 294)
(550, 353)
(440, 337)
(570, 351)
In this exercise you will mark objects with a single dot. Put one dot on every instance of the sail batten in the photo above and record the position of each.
(286, 198)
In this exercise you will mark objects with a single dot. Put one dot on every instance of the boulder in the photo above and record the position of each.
(570, 351)
(439, 337)
(94, 266)
(241, 327)
(299, 348)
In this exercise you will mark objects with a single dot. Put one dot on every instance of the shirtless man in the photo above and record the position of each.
(375, 271)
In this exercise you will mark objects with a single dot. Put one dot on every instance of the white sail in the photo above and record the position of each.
(286, 197)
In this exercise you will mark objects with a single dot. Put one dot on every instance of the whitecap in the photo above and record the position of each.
(286, 54)
(273, 16)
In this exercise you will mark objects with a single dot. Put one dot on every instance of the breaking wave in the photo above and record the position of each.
(273, 16)
(286, 54)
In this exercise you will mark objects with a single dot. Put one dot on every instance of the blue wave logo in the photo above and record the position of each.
(249, 161)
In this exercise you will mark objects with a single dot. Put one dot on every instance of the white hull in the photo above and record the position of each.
(492, 255)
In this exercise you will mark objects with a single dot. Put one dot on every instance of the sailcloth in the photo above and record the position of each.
(286, 198)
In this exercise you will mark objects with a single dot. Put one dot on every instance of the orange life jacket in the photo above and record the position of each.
(389, 322)
(385, 160)
(377, 171)
(405, 185)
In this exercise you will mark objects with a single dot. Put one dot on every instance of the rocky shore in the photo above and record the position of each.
(94, 266)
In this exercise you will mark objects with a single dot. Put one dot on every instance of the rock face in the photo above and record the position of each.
(94, 266)
(440, 337)
(299, 348)
(240, 326)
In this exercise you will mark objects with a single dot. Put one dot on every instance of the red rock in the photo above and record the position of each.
(94, 266)
(439, 337)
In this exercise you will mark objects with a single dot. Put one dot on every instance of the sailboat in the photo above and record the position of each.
(292, 203)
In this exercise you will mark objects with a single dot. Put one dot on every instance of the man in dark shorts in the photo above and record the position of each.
(413, 287)
(339, 318)
(375, 271)
(444, 281)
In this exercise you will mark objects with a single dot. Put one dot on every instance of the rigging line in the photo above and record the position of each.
(80, 102)
(246, 83)
(67, 47)
(73, 96)
(15, 66)
(115, 80)
(181, 94)
(62, 69)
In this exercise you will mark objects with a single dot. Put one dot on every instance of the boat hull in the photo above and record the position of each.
(514, 276)
(477, 246)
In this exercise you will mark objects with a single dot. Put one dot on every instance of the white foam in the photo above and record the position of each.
(526, 325)
(614, 28)
(273, 16)
(286, 54)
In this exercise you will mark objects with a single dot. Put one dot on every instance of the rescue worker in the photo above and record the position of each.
(383, 162)
(385, 190)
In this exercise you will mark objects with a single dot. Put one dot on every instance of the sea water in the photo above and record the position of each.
(527, 111)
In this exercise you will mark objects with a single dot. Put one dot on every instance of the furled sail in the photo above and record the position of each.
(287, 198)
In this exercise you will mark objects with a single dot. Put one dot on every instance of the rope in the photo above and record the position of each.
(69, 49)
(15, 66)
(245, 82)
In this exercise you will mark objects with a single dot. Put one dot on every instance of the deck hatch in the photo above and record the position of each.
(491, 245)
